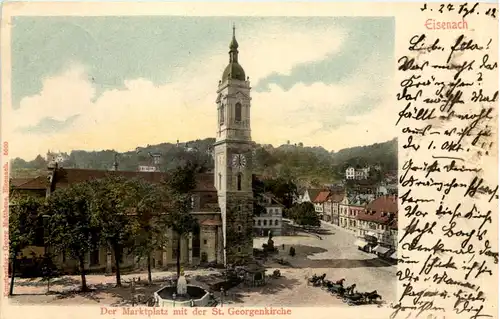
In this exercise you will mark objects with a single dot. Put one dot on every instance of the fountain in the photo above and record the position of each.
(182, 295)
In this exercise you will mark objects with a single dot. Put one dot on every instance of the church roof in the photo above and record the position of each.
(233, 70)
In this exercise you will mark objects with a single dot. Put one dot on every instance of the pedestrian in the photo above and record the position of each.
(283, 245)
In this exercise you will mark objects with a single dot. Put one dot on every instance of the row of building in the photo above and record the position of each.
(374, 219)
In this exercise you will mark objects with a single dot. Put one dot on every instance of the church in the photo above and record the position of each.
(222, 201)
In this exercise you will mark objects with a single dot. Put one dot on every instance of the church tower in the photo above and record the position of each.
(233, 160)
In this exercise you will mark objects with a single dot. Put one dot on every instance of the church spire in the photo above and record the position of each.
(233, 47)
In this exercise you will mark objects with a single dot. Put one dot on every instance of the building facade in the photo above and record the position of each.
(380, 222)
(356, 173)
(319, 202)
(344, 212)
(271, 220)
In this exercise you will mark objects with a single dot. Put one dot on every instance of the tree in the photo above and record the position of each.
(23, 222)
(111, 202)
(150, 213)
(48, 269)
(305, 214)
(70, 221)
(180, 185)
(284, 189)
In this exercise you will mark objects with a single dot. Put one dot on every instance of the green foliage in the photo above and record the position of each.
(179, 187)
(284, 189)
(71, 229)
(111, 202)
(309, 165)
(23, 221)
(305, 215)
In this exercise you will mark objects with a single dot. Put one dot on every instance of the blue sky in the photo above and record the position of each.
(86, 82)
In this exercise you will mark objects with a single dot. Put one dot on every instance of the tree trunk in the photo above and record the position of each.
(179, 256)
(82, 274)
(118, 254)
(150, 277)
(13, 274)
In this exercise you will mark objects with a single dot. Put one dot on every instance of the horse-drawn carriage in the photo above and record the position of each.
(315, 280)
(361, 298)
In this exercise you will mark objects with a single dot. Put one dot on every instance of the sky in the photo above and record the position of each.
(93, 83)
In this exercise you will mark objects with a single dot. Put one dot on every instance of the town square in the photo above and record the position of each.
(189, 209)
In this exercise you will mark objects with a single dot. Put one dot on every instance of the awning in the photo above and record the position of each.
(394, 255)
(361, 243)
(381, 250)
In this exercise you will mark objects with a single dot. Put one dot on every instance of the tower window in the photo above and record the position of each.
(239, 249)
(239, 228)
(238, 181)
(237, 116)
(221, 115)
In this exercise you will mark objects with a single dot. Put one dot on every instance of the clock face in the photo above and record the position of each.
(239, 161)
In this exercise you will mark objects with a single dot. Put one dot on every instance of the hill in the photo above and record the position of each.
(307, 165)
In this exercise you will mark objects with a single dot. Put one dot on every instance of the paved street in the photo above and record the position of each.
(333, 254)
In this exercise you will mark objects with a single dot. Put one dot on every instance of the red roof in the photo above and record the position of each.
(388, 203)
(383, 210)
(322, 197)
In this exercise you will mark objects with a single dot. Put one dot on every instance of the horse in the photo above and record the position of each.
(350, 290)
(372, 296)
(340, 282)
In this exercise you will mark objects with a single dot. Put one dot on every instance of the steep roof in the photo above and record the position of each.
(313, 192)
(322, 197)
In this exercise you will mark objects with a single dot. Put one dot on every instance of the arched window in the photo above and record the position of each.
(258, 222)
(239, 228)
(237, 113)
(265, 222)
(276, 222)
(239, 249)
(221, 114)
(238, 181)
